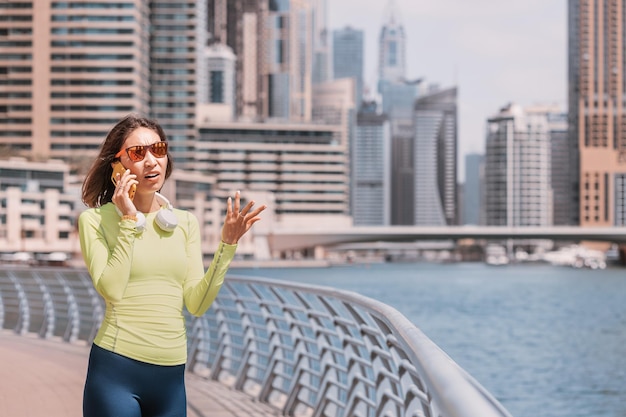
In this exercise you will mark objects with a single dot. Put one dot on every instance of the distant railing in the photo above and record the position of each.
(304, 350)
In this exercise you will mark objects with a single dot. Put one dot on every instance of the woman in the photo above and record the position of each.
(145, 260)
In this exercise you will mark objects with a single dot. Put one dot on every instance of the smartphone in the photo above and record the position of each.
(118, 168)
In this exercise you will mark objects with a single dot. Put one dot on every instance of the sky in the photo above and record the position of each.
(496, 52)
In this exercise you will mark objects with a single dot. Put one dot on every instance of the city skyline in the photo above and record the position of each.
(494, 52)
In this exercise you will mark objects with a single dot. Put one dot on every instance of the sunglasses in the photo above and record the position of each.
(137, 153)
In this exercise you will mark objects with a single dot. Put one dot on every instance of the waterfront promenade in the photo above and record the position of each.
(45, 378)
(267, 348)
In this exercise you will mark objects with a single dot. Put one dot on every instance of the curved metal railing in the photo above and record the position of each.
(304, 350)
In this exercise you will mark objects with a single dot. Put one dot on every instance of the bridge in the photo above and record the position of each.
(265, 348)
(304, 238)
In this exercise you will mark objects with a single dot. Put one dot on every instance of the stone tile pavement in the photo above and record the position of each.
(45, 378)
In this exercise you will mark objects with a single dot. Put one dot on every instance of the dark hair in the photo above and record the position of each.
(97, 187)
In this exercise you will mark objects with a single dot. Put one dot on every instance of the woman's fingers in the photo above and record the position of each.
(237, 201)
(121, 195)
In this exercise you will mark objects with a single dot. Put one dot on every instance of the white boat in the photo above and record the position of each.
(577, 256)
(496, 255)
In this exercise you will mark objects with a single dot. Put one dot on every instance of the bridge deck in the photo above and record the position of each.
(45, 378)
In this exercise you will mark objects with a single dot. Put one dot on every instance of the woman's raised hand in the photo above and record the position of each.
(239, 221)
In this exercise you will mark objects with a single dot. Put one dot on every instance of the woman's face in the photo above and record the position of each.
(150, 170)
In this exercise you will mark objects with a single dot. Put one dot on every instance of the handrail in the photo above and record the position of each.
(302, 349)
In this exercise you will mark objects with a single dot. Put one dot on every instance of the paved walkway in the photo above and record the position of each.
(45, 378)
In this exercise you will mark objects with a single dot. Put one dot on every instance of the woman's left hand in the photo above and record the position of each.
(237, 222)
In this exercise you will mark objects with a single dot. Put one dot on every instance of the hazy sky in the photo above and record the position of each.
(494, 51)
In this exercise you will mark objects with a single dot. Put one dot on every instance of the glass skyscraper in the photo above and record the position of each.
(348, 57)
(472, 189)
(434, 158)
(371, 170)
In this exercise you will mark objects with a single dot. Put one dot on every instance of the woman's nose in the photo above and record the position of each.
(149, 160)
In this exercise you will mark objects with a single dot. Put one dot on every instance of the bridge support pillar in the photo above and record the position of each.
(622, 254)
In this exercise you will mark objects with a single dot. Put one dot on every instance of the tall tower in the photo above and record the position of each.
(371, 169)
(287, 73)
(69, 71)
(597, 110)
(517, 168)
(435, 161)
(392, 48)
(178, 36)
(472, 189)
(348, 58)
(321, 43)
(274, 44)
(561, 169)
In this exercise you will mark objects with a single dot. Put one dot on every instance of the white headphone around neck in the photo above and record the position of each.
(165, 217)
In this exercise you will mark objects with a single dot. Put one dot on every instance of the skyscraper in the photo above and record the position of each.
(473, 190)
(348, 57)
(178, 36)
(321, 71)
(397, 93)
(392, 48)
(597, 110)
(397, 103)
(273, 41)
(434, 156)
(70, 70)
(287, 73)
(561, 169)
(517, 168)
(371, 169)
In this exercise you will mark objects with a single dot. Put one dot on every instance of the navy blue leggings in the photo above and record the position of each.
(118, 386)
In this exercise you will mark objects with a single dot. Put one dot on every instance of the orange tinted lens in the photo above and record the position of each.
(136, 153)
(159, 149)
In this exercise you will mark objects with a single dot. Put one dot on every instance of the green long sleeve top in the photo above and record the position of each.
(146, 278)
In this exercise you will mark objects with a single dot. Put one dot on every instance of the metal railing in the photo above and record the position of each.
(304, 350)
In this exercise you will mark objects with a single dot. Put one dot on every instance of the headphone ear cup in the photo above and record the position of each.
(141, 222)
(166, 220)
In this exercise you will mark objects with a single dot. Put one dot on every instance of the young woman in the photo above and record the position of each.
(145, 260)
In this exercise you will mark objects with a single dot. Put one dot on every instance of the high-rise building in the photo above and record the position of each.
(286, 70)
(178, 36)
(561, 171)
(517, 168)
(70, 70)
(348, 59)
(321, 71)
(333, 104)
(274, 44)
(597, 110)
(435, 160)
(397, 103)
(472, 188)
(371, 169)
(397, 93)
(392, 49)
(402, 179)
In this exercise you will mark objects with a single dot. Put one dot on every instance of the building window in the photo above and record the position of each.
(393, 54)
(217, 87)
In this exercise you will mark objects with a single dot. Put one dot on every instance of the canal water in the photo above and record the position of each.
(545, 341)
